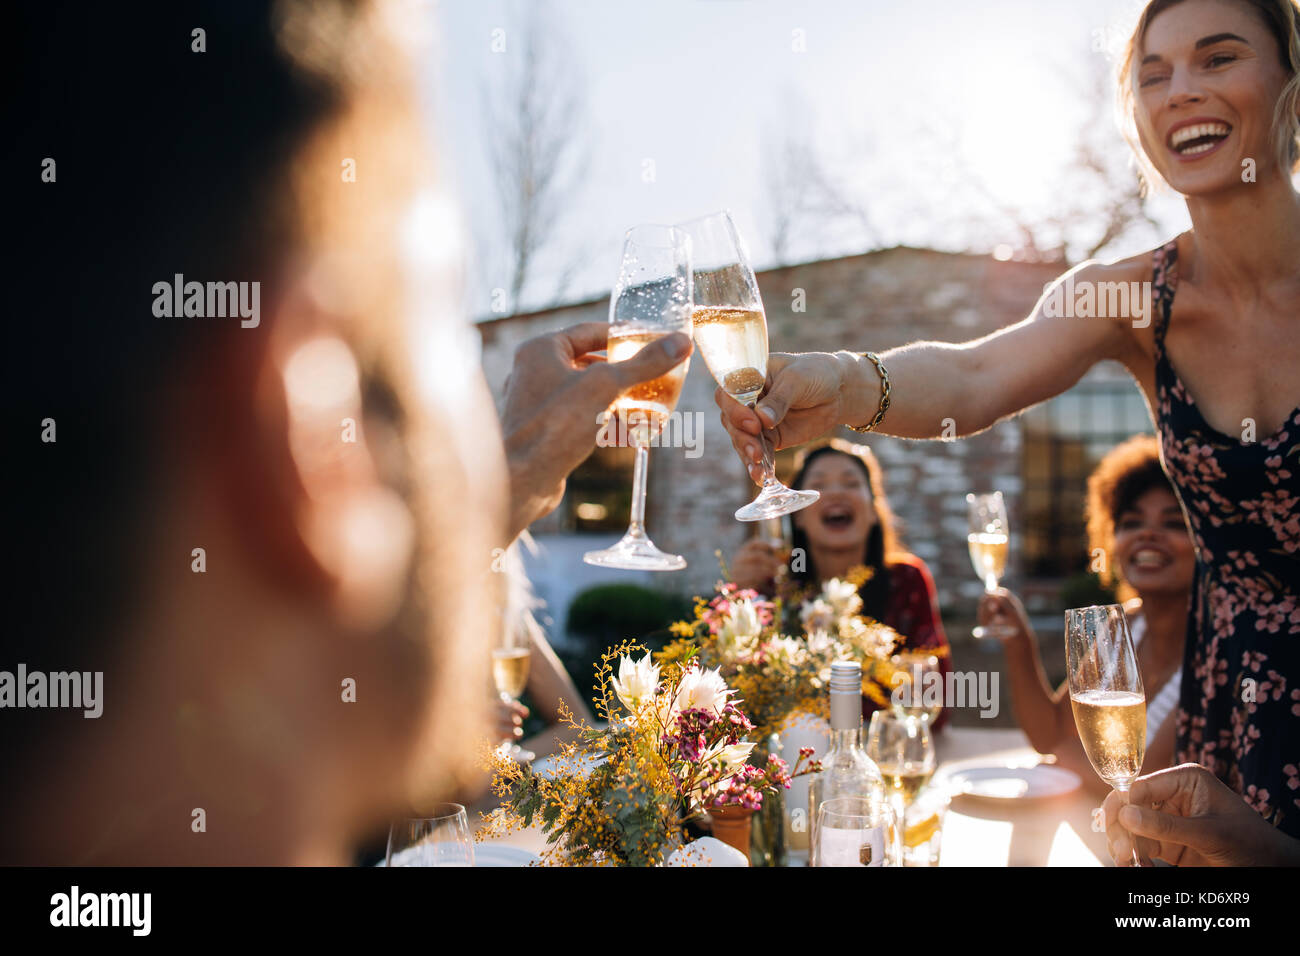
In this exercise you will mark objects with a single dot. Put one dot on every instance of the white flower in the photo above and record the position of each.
(821, 644)
(742, 622)
(732, 756)
(705, 690)
(738, 632)
(787, 647)
(636, 681)
(817, 615)
(842, 596)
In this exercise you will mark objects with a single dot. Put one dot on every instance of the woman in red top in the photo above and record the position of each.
(849, 527)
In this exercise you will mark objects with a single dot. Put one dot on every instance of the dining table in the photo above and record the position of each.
(978, 829)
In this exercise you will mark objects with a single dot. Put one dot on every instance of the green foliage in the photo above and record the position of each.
(608, 614)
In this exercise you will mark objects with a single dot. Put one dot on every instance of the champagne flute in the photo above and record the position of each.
(441, 839)
(652, 299)
(1106, 695)
(903, 749)
(856, 831)
(731, 333)
(510, 663)
(987, 541)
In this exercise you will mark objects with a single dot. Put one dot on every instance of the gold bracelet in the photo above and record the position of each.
(885, 387)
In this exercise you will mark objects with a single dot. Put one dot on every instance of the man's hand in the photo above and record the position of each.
(807, 395)
(555, 392)
(1186, 816)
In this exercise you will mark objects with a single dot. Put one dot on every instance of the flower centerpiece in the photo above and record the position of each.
(672, 748)
(777, 654)
(739, 633)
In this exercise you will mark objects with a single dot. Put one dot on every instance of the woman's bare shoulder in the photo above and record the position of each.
(1135, 268)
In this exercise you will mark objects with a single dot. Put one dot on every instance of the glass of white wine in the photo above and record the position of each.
(918, 675)
(1106, 695)
(440, 839)
(510, 663)
(652, 299)
(987, 539)
(903, 749)
(731, 334)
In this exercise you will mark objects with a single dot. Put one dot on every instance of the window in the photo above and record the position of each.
(1063, 440)
(598, 494)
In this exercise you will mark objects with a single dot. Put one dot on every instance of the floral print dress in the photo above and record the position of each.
(1239, 711)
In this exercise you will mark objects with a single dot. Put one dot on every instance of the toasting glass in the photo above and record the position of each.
(651, 299)
(731, 334)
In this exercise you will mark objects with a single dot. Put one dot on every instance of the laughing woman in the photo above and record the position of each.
(852, 527)
(1212, 88)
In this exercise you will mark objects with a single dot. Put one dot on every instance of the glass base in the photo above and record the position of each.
(776, 500)
(635, 552)
(517, 753)
(993, 630)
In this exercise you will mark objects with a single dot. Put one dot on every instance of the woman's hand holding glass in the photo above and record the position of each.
(808, 395)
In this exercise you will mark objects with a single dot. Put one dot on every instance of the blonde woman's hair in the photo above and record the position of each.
(1282, 17)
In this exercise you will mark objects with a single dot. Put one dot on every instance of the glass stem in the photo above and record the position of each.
(636, 526)
(769, 464)
(1123, 792)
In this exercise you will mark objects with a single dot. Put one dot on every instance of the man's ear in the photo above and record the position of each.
(312, 506)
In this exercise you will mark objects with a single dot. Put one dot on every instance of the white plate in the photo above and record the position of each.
(502, 854)
(1040, 782)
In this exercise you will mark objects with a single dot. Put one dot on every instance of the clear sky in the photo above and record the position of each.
(930, 114)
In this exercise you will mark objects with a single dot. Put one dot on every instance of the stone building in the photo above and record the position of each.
(872, 301)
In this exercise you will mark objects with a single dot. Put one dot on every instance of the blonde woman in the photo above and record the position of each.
(1212, 89)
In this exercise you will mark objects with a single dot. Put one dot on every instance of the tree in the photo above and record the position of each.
(1099, 194)
(533, 117)
(802, 194)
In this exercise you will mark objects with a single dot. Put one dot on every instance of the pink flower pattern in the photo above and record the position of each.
(1239, 712)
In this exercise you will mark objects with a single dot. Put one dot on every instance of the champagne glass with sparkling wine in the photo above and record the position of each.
(731, 334)
(987, 540)
(510, 663)
(1110, 707)
(652, 299)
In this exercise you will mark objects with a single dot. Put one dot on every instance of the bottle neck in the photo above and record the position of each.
(846, 713)
(842, 740)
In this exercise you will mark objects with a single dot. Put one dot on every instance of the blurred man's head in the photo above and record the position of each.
(246, 518)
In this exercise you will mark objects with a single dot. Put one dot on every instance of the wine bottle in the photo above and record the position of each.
(847, 771)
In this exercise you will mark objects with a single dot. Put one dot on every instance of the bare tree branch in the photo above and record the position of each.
(534, 116)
